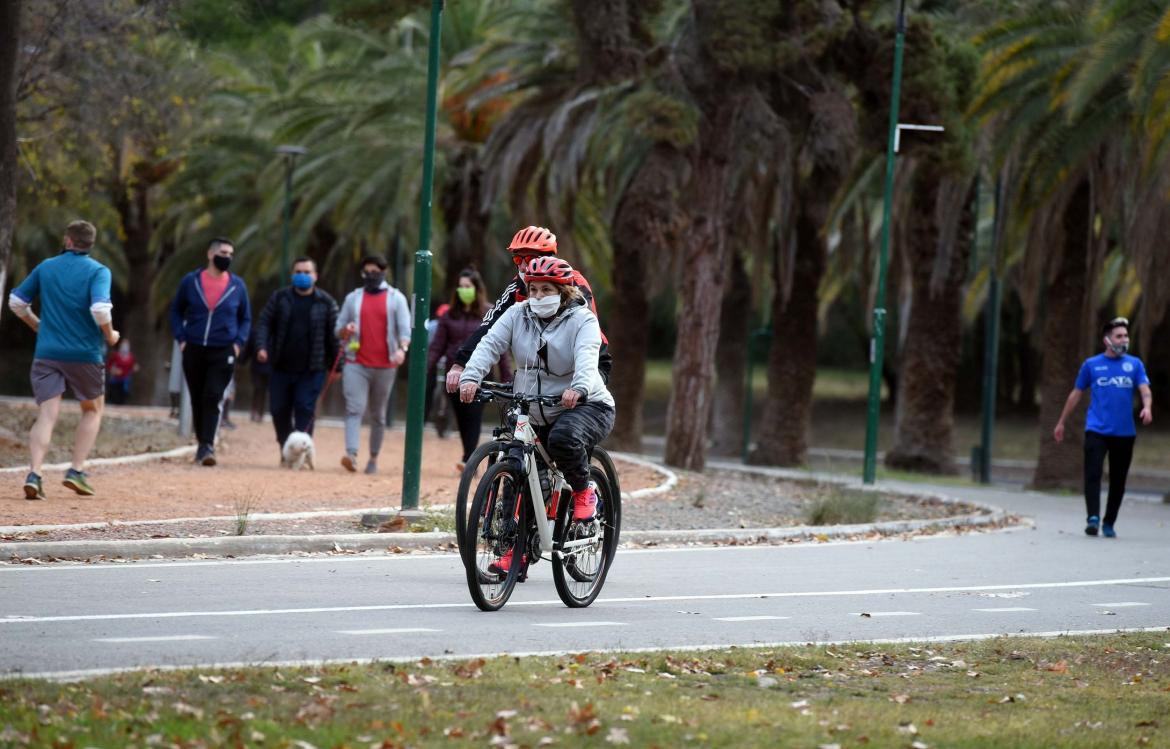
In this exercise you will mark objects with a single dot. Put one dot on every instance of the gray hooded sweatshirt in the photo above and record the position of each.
(549, 358)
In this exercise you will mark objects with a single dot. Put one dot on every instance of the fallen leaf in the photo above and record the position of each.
(1146, 724)
(765, 682)
(472, 669)
(866, 615)
(919, 745)
(617, 735)
(799, 704)
(393, 525)
(907, 729)
(901, 699)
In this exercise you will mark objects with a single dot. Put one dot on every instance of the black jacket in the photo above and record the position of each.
(272, 328)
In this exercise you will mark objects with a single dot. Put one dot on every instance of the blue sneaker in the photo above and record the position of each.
(1108, 532)
(1091, 527)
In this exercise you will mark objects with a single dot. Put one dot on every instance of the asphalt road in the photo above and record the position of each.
(1047, 579)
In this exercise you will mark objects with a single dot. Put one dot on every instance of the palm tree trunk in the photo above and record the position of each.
(702, 273)
(467, 223)
(644, 230)
(139, 325)
(731, 353)
(924, 413)
(1059, 465)
(792, 359)
(9, 43)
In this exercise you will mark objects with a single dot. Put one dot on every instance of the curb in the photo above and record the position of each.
(178, 452)
(236, 546)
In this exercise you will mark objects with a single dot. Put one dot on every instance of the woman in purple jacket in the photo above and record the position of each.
(469, 303)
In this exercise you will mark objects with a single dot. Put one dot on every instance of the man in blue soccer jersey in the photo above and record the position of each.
(72, 331)
(1109, 428)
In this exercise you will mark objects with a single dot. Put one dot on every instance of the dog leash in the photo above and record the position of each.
(330, 377)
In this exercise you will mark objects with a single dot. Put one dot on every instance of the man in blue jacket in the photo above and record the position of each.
(74, 292)
(211, 319)
(1111, 378)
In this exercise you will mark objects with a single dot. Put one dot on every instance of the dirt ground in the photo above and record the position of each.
(124, 432)
(249, 475)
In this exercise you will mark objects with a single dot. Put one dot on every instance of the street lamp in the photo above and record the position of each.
(290, 154)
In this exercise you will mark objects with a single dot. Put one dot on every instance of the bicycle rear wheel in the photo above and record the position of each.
(579, 571)
(496, 530)
(483, 457)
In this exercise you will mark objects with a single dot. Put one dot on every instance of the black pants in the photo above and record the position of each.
(259, 394)
(1120, 450)
(571, 439)
(208, 371)
(292, 397)
(469, 417)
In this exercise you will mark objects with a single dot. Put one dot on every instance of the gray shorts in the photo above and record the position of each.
(49, 377)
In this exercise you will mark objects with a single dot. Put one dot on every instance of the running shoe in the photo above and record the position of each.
(504, 563)
(1108, 532)
(1091, 526)
(32, 487)
(349, 462)
(584, 504)
(76, 480)
(371, 468)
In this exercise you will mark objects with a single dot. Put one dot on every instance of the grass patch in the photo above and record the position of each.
(1068, 692)
(244, 503)
(838, 505)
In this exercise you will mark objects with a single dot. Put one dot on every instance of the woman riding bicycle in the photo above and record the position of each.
(554, 338)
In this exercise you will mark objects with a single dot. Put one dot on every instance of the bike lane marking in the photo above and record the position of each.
(155, 638)
(386, 631)
(30, 619)
(580, 624)
(1005, 610)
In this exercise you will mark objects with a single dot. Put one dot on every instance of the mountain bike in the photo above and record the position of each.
(488, 453)
(522, 505)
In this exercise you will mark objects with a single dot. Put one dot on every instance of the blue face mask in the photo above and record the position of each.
(302, 281)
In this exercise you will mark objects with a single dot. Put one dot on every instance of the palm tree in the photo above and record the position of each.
(1060, 82)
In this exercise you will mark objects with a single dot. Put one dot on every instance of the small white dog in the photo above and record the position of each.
(298, 451)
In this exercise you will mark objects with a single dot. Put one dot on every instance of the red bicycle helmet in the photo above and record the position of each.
(550, 269)
(533, 240)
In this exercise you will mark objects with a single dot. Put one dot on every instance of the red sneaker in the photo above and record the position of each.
(504, 563)
(584, 504)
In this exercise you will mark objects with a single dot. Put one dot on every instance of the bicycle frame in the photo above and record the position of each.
(524, 435)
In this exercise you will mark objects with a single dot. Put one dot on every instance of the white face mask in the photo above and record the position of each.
(546, 306)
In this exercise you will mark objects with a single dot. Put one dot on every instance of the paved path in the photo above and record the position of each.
(70, 618)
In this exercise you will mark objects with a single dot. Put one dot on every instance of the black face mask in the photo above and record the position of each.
(373, 281)
(221, 262)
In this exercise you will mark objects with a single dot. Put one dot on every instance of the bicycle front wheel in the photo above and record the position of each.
(583, 550)
(483, 457)
(496, 536)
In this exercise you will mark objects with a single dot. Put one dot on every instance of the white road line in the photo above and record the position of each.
(1005, 609)
(79, 674)
(876, 614)
(579, 624)
(160, 638)
(746, 618)
(1119, 604)
(388, 631)
(29, 619)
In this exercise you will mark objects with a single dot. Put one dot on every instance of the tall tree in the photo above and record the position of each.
(9, 44)
(727, 55)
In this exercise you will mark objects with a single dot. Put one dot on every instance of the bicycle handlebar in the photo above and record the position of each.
(487, 394)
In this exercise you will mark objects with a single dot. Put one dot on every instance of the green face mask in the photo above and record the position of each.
(465, 294)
